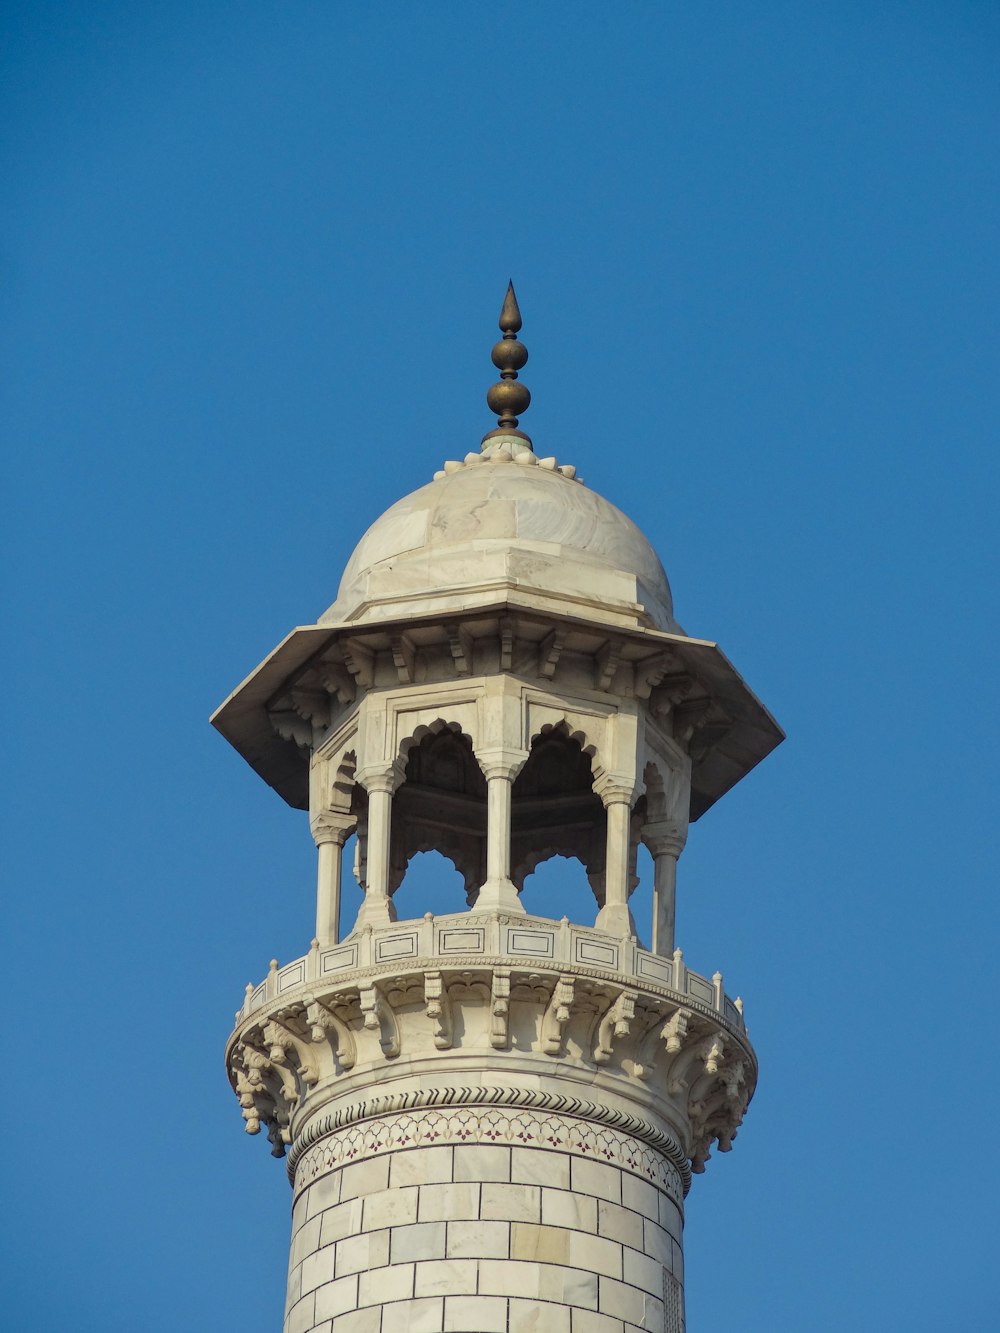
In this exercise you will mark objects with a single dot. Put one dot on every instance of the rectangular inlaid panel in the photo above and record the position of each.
(536, 943)
(339, 960)
(700, 989)
(461, 941)
(598, 953)
(660, 970)
(396, 946)
(293, 975)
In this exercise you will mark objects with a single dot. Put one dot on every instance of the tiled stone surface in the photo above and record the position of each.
(486, 1314)
(484, 1238)
(487, 1143)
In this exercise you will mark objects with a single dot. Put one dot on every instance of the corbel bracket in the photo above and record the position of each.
(404, 656)
(291, 726)
(338, 681)
(360, 661)
(650, 671)
(379, 1017)
(557, 1015)
(671, 1033)
(500, 1008)
(616, 1022)
(438, 1008)
(311, 705)
(284, 1046)
(708, 1052)
(549, 652)
(460, 643)
(324, 1025)
(506, 631)
(689, 716)
(607, 662)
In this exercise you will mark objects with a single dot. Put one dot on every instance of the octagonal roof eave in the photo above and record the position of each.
(244, 721)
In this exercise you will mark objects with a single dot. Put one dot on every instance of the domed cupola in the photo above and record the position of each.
(505, 591)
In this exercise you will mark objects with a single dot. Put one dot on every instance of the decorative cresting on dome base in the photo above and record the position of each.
(508, 449)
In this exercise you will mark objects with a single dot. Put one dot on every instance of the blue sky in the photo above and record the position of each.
(252, 260)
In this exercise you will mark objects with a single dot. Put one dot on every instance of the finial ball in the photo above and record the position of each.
(508, 398)
(509, 354)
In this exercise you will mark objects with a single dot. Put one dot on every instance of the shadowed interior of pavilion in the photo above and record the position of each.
(441, 807)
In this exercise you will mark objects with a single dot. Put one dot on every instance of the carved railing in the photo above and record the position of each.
(488, 937)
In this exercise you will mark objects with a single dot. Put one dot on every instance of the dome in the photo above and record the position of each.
(504, 524)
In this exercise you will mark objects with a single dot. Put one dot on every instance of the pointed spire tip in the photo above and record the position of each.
(510, 314)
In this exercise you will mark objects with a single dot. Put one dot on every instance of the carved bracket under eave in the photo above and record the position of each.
(607, 662)
(670, 1034)
(325, 1025)
(360, 661)
(404, 657)
(717, 1118)
(500, 1009)
(550, 651)
(291, 726)
(438, 1009)
(288, 1047)
(338, 682)
(313, 706)
(702, 1056)
(557, 1015)
(460, 643)
(379, 1017)
(451, 1015)
(615, 1022)
(267, 1095)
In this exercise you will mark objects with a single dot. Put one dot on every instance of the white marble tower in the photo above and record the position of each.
(491, 1119)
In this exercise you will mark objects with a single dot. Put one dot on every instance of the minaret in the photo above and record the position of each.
(491, 1119)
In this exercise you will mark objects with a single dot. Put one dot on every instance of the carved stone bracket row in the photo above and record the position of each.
(327, 688)
(647, 1044)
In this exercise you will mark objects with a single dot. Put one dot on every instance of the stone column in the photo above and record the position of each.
(614, 916)
(665, 841)
(380, 784)
(330, 831)
(500, 770)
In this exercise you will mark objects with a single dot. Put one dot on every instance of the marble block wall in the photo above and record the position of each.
(530, 1223)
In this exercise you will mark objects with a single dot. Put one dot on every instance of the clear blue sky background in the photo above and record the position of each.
(252, 259)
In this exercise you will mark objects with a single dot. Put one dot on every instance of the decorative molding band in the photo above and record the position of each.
(485, 938)
(261, 1006)
(480, 1114)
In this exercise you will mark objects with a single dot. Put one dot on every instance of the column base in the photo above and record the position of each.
(378, 913)
(615, 919)
(499, 895)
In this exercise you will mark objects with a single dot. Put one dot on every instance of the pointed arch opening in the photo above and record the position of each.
(440, 807)
(555, 813)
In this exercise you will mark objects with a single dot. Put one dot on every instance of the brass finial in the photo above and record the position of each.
(508, 398)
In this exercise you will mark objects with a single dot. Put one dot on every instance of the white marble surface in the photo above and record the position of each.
(481, 1256)
(491, 525)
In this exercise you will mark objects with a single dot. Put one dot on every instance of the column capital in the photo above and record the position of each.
(501, 762)
(332, 826)
(616, 788)
(382, 777)
(664, 837)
